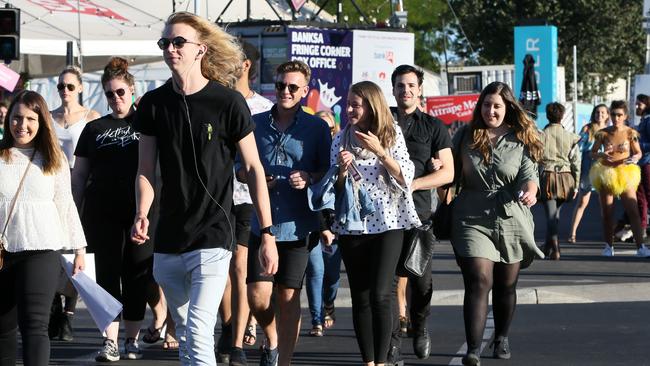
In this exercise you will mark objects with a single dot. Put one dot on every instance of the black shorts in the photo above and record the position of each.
(243, 214)
(292, 262)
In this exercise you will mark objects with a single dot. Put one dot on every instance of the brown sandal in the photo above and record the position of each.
(170, 345)
(330, 316)
(571, 240)
(316, 331)
(250, 336)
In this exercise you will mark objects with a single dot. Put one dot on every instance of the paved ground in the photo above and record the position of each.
(582, 310)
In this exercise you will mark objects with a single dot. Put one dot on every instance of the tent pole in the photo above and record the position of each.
(575, 88)
(81, 62)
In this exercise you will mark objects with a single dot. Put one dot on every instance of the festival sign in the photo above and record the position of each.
(377, 54)
(452, 108)
(328, 52)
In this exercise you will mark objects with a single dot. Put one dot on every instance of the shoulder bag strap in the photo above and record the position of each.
(15, 199)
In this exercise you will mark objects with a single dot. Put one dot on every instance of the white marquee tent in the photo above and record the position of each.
(128, 28)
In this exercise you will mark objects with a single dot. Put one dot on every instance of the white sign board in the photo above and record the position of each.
(377, 54)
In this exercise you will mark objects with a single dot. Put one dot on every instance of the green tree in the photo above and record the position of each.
(424, 20)
(607, 33)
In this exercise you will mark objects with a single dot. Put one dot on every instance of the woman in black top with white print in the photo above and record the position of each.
(105, 168)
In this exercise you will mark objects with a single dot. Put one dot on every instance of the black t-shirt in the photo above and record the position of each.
(219, 118)
(111, 145)
(425, 135)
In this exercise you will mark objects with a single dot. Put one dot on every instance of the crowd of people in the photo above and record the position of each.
(143, 189)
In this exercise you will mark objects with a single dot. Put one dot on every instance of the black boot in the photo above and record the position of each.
(394, 357)
(555, 249)
(56, 312)
(422, 343)
(66, 327)
(224, 345)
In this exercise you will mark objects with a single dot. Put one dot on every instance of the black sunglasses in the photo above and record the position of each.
(279, 86)
(177, 41)
(61, 86)
(110, 94)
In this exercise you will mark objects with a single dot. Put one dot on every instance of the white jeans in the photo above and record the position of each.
(193, 284)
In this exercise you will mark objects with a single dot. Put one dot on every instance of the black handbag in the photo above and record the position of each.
(420, 251)
(442, 220)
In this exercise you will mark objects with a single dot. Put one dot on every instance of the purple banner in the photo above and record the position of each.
(328, 52)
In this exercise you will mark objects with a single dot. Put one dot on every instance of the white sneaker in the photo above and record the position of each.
(608, 251)
(643, 251)
(132, 349)
(623, 234)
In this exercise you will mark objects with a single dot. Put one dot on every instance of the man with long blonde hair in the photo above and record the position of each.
(196, 124)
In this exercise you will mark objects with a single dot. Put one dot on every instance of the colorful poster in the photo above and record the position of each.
(377, 54)
(452, 108)
(328, 52)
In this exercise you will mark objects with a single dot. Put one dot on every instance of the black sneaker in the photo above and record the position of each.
(238, 357)
(501, 348)
(269, 357)
(108, 353)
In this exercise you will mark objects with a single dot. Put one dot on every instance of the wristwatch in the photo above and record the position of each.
(266, 230)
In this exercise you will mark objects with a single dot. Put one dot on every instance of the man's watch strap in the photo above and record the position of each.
(266, 230)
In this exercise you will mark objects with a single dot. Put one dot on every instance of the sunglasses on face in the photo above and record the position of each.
(280, 86)
(111, 94)
(177, 42)
(61, 86)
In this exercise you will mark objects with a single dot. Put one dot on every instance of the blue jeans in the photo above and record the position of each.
(193, 284)
(323, 274)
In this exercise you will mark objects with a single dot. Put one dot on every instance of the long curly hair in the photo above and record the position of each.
(45, 141)
(516, 117)
(223, 59)
(380, 119)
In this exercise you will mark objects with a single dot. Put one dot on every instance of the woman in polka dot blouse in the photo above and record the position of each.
(372, 153)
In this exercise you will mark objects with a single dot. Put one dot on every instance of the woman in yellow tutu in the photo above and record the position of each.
(616, 174)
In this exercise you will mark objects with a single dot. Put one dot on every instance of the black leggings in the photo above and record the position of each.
(27, 284)
(480, 275)
(122, 268)
(370, 261)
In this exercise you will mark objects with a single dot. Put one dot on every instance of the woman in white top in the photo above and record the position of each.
(69, 120)
(43, 221)
(71, 117)
(373, 143)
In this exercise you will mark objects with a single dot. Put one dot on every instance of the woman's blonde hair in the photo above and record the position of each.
(223, 58)
(74, 70)
(45, 141)
(516, 117)
(328, 117)
(380, 119)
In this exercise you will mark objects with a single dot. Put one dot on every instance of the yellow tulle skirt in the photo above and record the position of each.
(614, 180)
